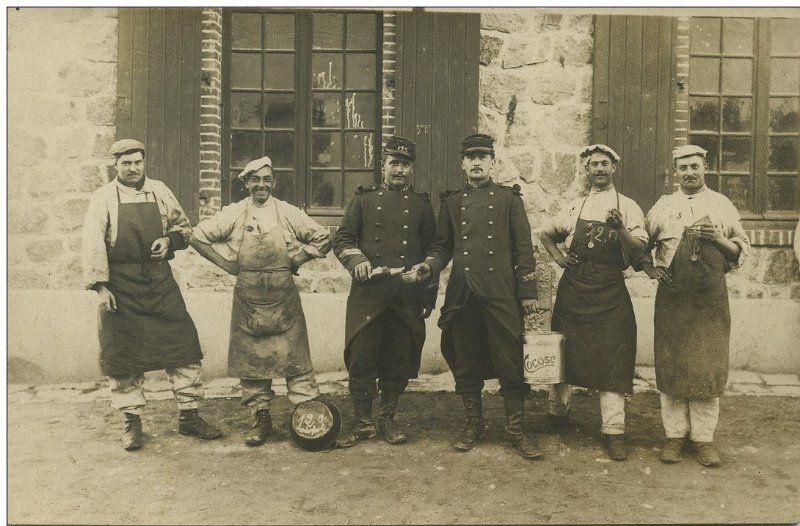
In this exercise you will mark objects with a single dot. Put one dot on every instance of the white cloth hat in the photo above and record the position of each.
(254, 166)
(688, 149)
(589, 150)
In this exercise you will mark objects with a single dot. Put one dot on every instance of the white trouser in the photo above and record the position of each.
(612, 407)
(695, 419)
(258, 393)
(127, 393)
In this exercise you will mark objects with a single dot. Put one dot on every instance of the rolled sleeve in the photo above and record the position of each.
(309, 236)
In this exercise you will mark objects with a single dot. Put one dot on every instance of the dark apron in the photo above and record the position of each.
(151, 328)
(693, 323)
(593, 309)
(269, 338)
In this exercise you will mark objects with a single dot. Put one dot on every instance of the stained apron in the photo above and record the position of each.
(151, 328)
(594, 311)
(268, 336)
(692, 323)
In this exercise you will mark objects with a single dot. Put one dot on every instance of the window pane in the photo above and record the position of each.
(359, 150)
(711, 144)
(704, 75)
(284, 186)
(712, 181)
(246, 31)
(326, 189)
(326, 70)
(783, 115)
(360, 110)
(245, 70)
(238, 191)
(279, 110)
(782, 154)
(785, 36)
(781, 193)
(280, 32)
(704, 113)
(246, 110)
(737, 75)
(353, 180)
(704, 35)
(736, 153)
(328, 30)
(327, 110)
(784, 76)
(280, 149)
(360, 31)
(279, 71)
(736, 188)
(245, 146)
(360, 71)
(737, 36)
(736, 115)
(326, 150)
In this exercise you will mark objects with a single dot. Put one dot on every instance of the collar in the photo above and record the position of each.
(470, 186)
(606, 189)
(142, 186)
(266, 203)
(696, 194)
(392, 188)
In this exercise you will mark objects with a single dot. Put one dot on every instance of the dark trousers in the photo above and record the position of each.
(482, 344)
(382, 350)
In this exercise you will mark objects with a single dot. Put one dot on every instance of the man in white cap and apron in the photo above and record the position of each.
(698, 237)
(132, 228)
(263, 241)
(603, 233)
(386, 225)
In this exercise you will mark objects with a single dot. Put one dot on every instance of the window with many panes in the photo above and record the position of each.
(744, 97)
(304, 89)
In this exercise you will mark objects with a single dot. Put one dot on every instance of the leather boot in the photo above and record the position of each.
(262, 425)
(190, 423)
(363, 426)
(515, 429)
(132, 434)
(473, 430)
(386, 424)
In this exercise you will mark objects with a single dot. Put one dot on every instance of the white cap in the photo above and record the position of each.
(687, 150)
(602, 148)
(254, 166)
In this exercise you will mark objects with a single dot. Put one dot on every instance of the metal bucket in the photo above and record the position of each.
(315, 425)
(543, 357)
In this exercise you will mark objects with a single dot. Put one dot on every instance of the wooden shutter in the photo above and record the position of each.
(437, 92)
(158, 94)
(633, 101)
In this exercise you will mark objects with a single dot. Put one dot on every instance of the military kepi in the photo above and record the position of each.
(397, 145)
(125, 146)
(687, 150)
(602, 148)
(254, 166)
(477, 142)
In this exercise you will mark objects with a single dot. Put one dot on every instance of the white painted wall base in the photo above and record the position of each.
(52, 334)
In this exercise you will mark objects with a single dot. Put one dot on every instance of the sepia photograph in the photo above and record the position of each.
(345, 264)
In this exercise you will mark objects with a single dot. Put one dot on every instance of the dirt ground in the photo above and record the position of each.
(65, 465)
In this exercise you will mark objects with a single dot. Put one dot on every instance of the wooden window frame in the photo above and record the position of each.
(304, 91)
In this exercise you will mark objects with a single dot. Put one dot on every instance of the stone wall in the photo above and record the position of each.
(62, 75)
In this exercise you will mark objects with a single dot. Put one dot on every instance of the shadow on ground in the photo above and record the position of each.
(65, 465)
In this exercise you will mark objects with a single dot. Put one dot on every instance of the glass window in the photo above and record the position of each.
(754, 162)
(303, 89)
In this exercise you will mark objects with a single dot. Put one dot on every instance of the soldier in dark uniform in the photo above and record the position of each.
(483, 228)
(391, 226)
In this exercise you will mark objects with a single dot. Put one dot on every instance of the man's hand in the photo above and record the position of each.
(708, 231)
(529, 306)
(299, 260)
(231, 267)
(106, 299)
(425, 311)
(362, 270)
(159, 248)
(566, 260)
(614, 219)
(660, 274)
(424, 271)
